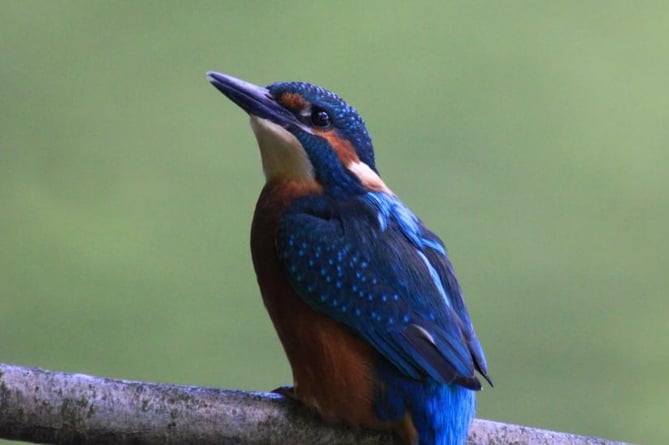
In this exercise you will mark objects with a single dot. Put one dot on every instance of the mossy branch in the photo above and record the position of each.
(43, 406)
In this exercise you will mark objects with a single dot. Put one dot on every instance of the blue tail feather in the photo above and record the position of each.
(441, 414)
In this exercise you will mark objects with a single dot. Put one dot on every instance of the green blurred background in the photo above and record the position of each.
(531, 135)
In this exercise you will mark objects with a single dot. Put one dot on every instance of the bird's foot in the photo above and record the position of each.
(286, 391)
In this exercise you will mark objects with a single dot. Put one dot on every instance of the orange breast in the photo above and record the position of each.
(332, 368)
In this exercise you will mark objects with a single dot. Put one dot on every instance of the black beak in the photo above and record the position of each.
(255, 100)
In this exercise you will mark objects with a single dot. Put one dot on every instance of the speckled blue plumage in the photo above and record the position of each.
(363, 295)
(369, 263)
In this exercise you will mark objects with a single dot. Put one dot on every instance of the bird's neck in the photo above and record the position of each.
(279, 194)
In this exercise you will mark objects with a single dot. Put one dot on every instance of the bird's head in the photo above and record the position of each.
(307, 133)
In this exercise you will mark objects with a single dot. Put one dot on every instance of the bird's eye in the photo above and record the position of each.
(320, 117)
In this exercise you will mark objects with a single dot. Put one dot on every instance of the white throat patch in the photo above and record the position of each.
(282, 154)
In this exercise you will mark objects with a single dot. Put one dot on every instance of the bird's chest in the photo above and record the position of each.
(332, 368)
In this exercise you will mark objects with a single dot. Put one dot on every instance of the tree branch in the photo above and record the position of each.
(43, 406)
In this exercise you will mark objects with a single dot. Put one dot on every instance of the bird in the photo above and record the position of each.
(362, 295)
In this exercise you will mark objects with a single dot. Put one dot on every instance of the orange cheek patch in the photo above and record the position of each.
(348, 156)
(292, 101)
(342, 147)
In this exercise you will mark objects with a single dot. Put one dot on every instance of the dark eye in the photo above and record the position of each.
(320, 117)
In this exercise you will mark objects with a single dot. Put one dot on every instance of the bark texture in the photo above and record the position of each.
(43, 406)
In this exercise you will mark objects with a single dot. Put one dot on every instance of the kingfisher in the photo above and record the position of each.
(361, 293)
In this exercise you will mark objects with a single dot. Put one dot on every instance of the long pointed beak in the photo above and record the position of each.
(255, 100)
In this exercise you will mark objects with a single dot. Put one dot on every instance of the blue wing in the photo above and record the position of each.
(370, 264)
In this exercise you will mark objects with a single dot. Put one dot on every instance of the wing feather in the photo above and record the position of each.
(379, 271)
